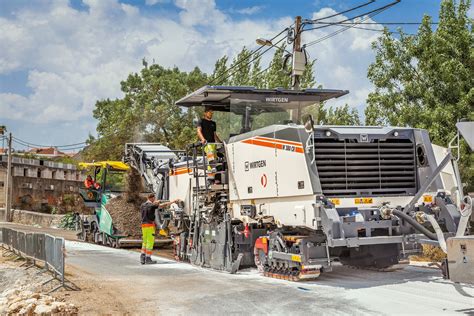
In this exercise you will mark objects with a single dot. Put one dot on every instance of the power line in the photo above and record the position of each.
(340, 13)
(364, 17)
(345, 28)
(378, 30)
(26, 143)
(261, 47)
(64, 149)
(250, 55)
(381, 23)
(255, 58)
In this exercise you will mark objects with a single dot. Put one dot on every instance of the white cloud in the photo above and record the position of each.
(75, 57)
(342, 60)
(250, 10)
(203, 12)
(153, 2)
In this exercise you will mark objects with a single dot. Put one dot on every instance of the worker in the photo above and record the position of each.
(206, 132)
(91, 184)
(147, 210)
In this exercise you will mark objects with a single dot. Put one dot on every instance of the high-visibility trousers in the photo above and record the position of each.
(211, 154)
(148, 238)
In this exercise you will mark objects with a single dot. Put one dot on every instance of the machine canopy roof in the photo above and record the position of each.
(236, 99)
(115, 165)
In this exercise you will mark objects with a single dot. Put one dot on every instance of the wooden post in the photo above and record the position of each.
(8, 191)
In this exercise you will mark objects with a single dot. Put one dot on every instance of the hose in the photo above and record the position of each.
(465, 214)
(415, 224)
(439, 232)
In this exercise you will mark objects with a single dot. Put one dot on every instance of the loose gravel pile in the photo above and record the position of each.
(126, 216)
(125, 210)
(22, 292)
(25, 302)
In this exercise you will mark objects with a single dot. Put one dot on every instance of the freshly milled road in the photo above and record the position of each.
(175, 288)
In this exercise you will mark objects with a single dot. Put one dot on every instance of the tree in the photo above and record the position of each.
(340, 116)
(147, 112)
(427, 80)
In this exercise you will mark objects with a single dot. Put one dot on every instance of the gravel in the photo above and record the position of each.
(21, 293)
(126, 216)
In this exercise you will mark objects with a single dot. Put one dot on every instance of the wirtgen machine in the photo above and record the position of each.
(291, 197)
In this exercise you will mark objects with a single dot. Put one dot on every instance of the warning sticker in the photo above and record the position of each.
(363, 201)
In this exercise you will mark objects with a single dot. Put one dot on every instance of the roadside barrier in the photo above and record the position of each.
(37, 247)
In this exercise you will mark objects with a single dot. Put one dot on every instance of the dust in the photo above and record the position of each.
(134, 187)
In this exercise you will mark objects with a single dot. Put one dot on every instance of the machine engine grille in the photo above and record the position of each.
(351, 168)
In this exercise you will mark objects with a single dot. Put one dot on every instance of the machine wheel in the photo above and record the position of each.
(260, 259)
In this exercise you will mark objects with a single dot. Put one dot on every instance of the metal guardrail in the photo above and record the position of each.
(38, 247)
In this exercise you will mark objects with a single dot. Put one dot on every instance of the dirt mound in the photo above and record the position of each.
(126, 215)
(134, 186)
(125, 210)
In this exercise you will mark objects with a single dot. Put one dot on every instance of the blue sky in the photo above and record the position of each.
(58, 57)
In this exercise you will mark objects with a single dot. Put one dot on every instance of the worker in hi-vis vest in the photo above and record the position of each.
(147, 210)
(206, 132)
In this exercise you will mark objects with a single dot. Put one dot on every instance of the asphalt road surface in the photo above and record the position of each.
(175, 288)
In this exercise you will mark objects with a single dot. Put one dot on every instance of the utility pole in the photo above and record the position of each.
(298, 56)
(8, 191)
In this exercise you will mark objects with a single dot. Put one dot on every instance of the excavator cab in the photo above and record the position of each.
(108, 178)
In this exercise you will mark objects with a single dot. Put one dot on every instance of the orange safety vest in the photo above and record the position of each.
(88, 183)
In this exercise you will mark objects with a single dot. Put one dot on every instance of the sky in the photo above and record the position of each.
(58, 57)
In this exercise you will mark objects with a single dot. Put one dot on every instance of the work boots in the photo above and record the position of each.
(149, 261)
(142, 258)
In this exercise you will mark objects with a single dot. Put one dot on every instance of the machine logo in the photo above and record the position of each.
(264, 181)
(276, 99)
(255, 164)
(364, 138)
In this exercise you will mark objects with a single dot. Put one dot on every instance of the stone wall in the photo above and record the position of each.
(33, 218)
(40, 185)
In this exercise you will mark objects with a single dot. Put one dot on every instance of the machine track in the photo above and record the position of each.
(294, 276)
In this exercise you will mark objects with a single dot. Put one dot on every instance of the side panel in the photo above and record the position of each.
(180, 186)
(292, 173)
(265, 167)
(253, 170)
(289, 211)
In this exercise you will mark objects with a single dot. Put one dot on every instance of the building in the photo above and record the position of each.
(49, 152)
(39, 184)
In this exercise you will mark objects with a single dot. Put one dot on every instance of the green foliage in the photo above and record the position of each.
(340, 116)
(278, 74)
(68, 221)
(427, 80)
(147, 111)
